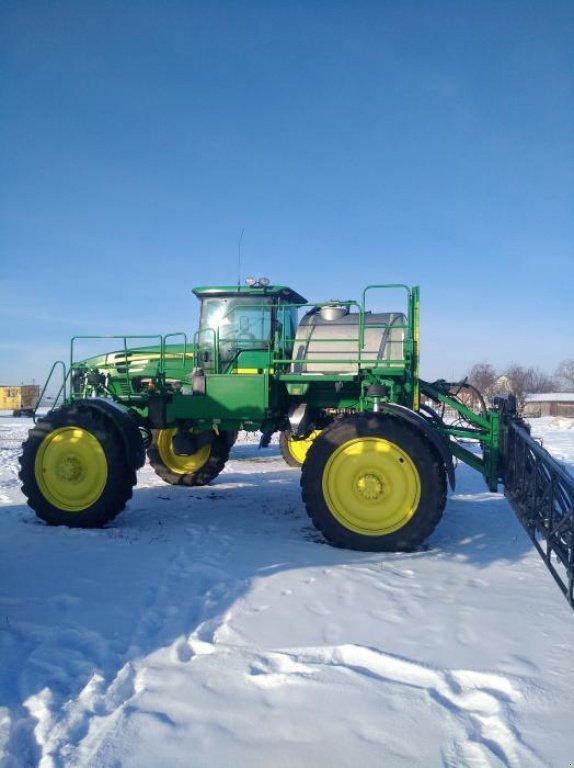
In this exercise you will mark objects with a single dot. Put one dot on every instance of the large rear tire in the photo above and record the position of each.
(74, 470)
(293, 451)
(198, 468)
(373, 482)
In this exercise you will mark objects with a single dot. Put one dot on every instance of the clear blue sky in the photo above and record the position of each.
(428, 143)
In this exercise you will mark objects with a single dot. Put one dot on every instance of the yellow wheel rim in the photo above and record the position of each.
(299, 448)
(180, 465)
(71, 469)
(371, 486)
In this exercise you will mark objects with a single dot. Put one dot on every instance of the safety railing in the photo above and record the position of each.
(132, 352)
(409, 327)
(113, 359)
(165, 353)
(369, 342)
(62, 392)
(169, 353)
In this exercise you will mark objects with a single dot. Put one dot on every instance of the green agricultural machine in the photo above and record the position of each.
(341, 385)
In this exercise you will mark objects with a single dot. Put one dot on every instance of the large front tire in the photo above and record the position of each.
(374, 483)
(198, 468)
(74, 470)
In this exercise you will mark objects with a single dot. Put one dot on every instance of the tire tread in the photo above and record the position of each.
(429, 465)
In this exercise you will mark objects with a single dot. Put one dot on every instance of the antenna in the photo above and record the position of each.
(239, 259)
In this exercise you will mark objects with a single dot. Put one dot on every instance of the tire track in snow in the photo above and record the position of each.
(71, 734)
(479, 703)
(476, 708)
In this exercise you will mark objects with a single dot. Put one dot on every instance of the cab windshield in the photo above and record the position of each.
(238, 323)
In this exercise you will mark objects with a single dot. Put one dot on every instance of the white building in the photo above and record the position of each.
(549, 404)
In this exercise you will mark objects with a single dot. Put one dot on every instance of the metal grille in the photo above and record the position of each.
(542, 495)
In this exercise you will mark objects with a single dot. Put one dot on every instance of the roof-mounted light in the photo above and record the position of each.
(261, 282)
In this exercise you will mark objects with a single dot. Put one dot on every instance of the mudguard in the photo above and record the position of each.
(439, 441)
(124, 423)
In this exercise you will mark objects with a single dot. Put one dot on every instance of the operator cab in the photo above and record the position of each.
(244, 327)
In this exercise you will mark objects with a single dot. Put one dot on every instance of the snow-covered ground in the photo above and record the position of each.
(557, 436)
(213, 627)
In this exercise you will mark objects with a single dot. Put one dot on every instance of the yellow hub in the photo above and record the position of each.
(178, 464)
(299, 448)
(371, 486)
(71, 469)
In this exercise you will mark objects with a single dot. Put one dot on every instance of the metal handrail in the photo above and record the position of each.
(61, 390)
(156, 337)
(385, 285)
(164, 345)
(289, 341)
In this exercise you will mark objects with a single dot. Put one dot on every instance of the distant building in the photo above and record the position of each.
(20, 399)
(549, 404)
(503, 385)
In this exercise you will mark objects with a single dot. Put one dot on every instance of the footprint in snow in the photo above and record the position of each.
(479, 704)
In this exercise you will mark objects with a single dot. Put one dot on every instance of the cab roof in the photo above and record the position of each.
(229, 291)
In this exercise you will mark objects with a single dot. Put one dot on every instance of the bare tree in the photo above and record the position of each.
(565, 375)
(523, 381)
(516, 377)
(538, 381)
(484, 378)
